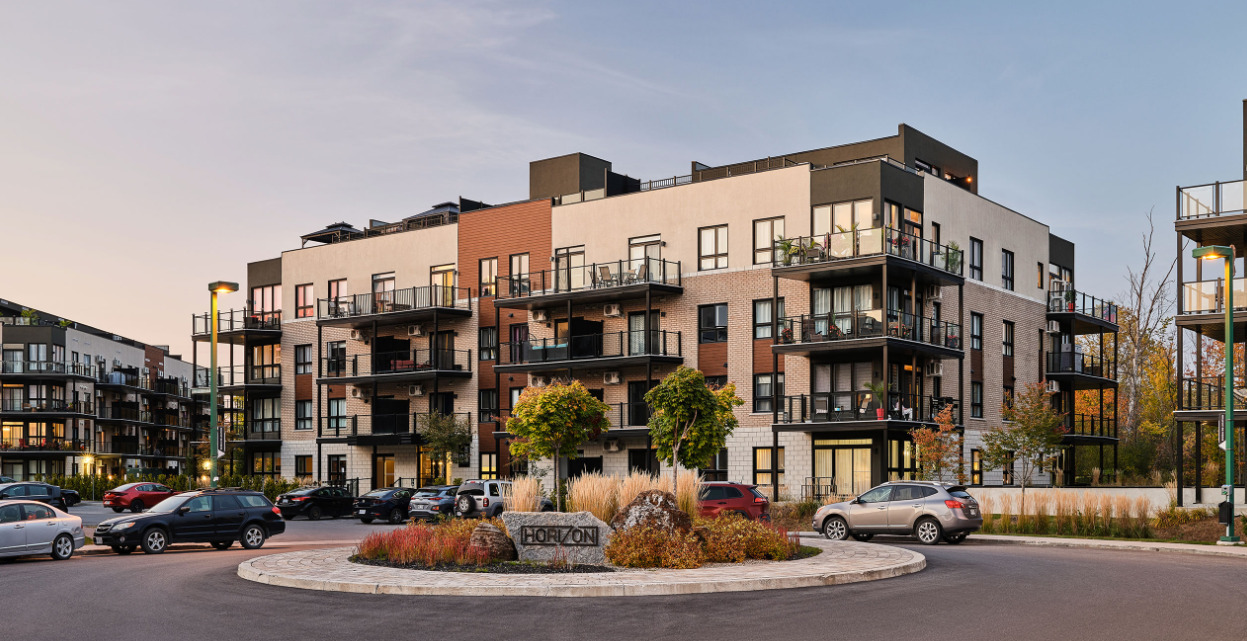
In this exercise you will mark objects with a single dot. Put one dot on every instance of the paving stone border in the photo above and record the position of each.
(840, 562)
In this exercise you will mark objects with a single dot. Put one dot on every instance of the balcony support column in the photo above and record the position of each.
(1199, 462)
(774, 390)
(961, 362)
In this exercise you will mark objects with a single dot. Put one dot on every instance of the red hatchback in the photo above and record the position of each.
(136, 497)
(718, 498)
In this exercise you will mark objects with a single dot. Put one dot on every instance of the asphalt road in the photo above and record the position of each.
(968, 592)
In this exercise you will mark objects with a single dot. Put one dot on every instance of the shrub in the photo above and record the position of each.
(648, 547)
(448, 543)
(594, 493)
(731, 538)
(523, 495)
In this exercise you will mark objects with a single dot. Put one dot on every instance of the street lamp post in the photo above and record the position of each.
(1214, 252)
(89, 462)
(218, 287)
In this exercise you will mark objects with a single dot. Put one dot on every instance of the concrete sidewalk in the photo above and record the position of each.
(1227, 551)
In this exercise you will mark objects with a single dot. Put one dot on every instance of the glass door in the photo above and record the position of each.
(442, 278)
(569, 268)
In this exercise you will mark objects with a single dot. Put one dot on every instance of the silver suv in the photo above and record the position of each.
(483, 498)
(928, 510)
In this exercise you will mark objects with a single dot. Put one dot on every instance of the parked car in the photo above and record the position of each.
(483, 498)
(387, 503)
(315, 502)
(72, 497)
(718, 497)
(7, 479)
(136, 496)
(431, 502)
(930, 511)
(35, 491)
(219, 517)
(31, 527)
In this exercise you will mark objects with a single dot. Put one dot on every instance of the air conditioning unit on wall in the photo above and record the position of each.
(415, 330)
(1054, 327)
(540, 315)
(357, 335)
(610, 378)
(935, 368)
(539, 381)
(415, 390)
(357, 392)
(933, 292)
(612, 310)
(612, 445)
(1053, 387)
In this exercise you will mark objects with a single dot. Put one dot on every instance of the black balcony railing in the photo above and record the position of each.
(1070, 300)
(172, 386)
(23, 366)
(832, 407)
(15, 443)
(405, 362)
(114, 412)
(612, 345)
(592, 277)
(46, 405)
(1216, 199)
(854, 243)
(263, 428)
(127, 377)
(379, 424)
(394, 301)
(817, 328)
(628, 415)
(1091, 425)
(1069, 362)
(1208, 393)
(233, 320)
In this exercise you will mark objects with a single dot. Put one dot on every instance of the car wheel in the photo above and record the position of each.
(313, 514)
(547, 508)
(863, 536)
(118, 509)
(365, 519)
(465, 505)
(222, 545)
(123, 549)
(744, 515)
(928, 531)
(136, 506)
(62, 547)
(253, 537)
(954, 539)
(154, 541)
(397, 516)
(836, 529)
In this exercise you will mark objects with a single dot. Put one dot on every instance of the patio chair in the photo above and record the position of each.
(642, 273)
(604, 277)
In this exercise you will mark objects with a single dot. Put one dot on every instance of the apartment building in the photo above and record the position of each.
(801, 278)
(76, 399)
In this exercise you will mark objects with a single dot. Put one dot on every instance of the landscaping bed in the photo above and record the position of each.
(496, 567)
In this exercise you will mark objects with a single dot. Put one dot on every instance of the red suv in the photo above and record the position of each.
(136, 496)
(717, 498)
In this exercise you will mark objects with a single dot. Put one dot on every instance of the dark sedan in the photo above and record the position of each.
(33, 491)
(315, 502)
(386, 503)
(432, 502)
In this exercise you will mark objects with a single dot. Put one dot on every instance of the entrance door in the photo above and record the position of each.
(383, 470)
(636, 334)
(336, 463)
(843, 471)
(638, 409)
(444, 350)
(442, 279)
(569, 268)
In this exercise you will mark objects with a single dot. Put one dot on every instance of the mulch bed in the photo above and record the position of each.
(501, 567)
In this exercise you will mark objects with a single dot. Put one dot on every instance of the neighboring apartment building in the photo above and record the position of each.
(800, 278)
(75, 399)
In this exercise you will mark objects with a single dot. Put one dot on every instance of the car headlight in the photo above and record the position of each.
(124, 526)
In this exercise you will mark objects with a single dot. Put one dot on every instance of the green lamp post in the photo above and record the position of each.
(1215, 252)
(218, 287)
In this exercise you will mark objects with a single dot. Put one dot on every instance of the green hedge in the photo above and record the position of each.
(181, 483)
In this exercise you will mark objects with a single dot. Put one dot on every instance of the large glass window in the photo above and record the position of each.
(765, 234)
(265, 415)
(1006, 269)
(518, 275)
(762, 391)
(976, 467)
(489, 465)
(337, 289)
(643, 249)
(976, 330)
(712, 247)
(337, 414)
(762, 317)
(304, 301)
(335, 358)
(302, 359)
(1008, 340)
(266, 302)
(382, 291)
(842, 217)
(264, 464)
(487, 405)
(303, 466)
(976, 259)
(763, 472)
(266, 362)
(489, 276)
(712, 323)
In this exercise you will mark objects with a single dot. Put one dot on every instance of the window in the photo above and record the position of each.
(712, 323)
(382, 292)
(976, 399)
(488, 343)
(765, 233)
(716, 382)
(976, 330)
(519, 265)
(489, 465)
(976, 467)
(762, 391)
(302, 359)
(1008, 341)
(266, 362)
(266, 302)
(762, 317)
(1008, 471)
(336, 467)
(1008, 396)
(303, 465)
(304, 301)
(712, 247)
(487, 405)
(515, 395)
(489, 276)
(337, 289)
(842, 217)
(262, 464)
(717, 469)
(1006, 269)
(335, 358)
(763, 473)
(976, 259)
(302, 415)
(1039, 275)
(935, 233)
(337, 414)
(265, 415)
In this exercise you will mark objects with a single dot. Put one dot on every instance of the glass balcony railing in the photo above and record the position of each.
(831, 407)
(612, 345)
(22, 366)
(1208, 296)
(592, 277)
(854, 243)
(1216, 199)
(817, 328)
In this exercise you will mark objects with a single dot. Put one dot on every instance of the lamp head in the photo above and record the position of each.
(222, 287)
(1213, 252)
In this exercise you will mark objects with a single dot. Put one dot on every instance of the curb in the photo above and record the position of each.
(1127, 546)
(912, 562)
(95, 550)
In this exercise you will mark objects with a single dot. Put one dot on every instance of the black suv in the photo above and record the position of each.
(219, 517)
(32, 491)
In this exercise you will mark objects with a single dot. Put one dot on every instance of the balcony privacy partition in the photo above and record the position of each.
(234, 320)
(595, 276)
(855, 243)
(394, 301)
(833, 407)
(404, 362)
(817, 328)
(611, 345)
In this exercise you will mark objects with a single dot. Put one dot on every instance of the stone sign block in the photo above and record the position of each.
(578, 537)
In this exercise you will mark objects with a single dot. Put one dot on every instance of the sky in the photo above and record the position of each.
(148, 148)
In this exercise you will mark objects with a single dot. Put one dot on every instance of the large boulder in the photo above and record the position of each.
(492, 540)
(576, 538)
(655, 508)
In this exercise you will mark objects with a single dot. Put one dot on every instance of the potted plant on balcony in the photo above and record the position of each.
(879, 390)
(787, 248)
(954, 256)
(1069, 300)
(785, 335)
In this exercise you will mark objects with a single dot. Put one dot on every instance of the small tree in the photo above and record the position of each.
(690, 422)
(31, 316)
(1031, 436)
(939, 449)
(553, 421)
(444, 435)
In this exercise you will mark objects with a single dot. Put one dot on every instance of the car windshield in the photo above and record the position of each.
(123, 488)
(959, 492)
(168, 505)
(378, 493)
(426, 492)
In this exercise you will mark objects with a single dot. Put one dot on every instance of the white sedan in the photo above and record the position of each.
(30, 528)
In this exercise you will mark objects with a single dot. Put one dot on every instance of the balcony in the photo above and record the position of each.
(1085, 371)
(262, 429)
(12, 445)
(237, 377)
(236, 325)
(1213, 214)
(396, 306)
(1090, 426)
(380, 429)
(861, 407)
(866, 329)
(800, 256)
(1207, 394)
(47, 406)
(47, 368)
(1087, 313)
(127, 414)
(597, 282)
(616, 349)
(407, 365)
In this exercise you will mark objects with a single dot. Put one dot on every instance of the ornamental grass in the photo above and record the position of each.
(594, 493)
(422, 544)
(1070, 513)
(522, 495)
